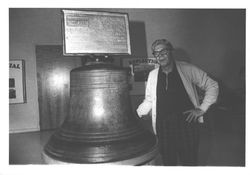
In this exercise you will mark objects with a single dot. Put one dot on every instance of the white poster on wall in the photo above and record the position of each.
(16, 82)
(139, 70)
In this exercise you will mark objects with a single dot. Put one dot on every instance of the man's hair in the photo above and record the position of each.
(162, 41)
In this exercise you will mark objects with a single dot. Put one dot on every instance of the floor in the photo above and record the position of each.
(222, 142)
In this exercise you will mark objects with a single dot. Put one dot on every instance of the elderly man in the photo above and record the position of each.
(172, 98)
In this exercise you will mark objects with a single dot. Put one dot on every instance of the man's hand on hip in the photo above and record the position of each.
(193, 114)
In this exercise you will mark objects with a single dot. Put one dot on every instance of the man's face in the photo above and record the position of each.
(163, 55)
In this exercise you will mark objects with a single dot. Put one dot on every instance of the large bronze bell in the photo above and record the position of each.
(101, 127)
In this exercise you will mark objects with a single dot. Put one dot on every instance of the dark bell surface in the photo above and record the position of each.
(101, 126)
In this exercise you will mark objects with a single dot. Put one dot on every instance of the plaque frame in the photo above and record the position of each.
(81, 20)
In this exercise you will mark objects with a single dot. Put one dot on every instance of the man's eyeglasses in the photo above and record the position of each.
(158, 54)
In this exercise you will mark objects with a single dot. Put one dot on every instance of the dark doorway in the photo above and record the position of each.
(53, 78)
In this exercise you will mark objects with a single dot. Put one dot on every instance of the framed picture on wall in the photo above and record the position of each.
(17, 93)
(139, 70)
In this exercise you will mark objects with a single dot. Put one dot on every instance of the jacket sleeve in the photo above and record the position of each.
(145, 107)
(210, 87)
